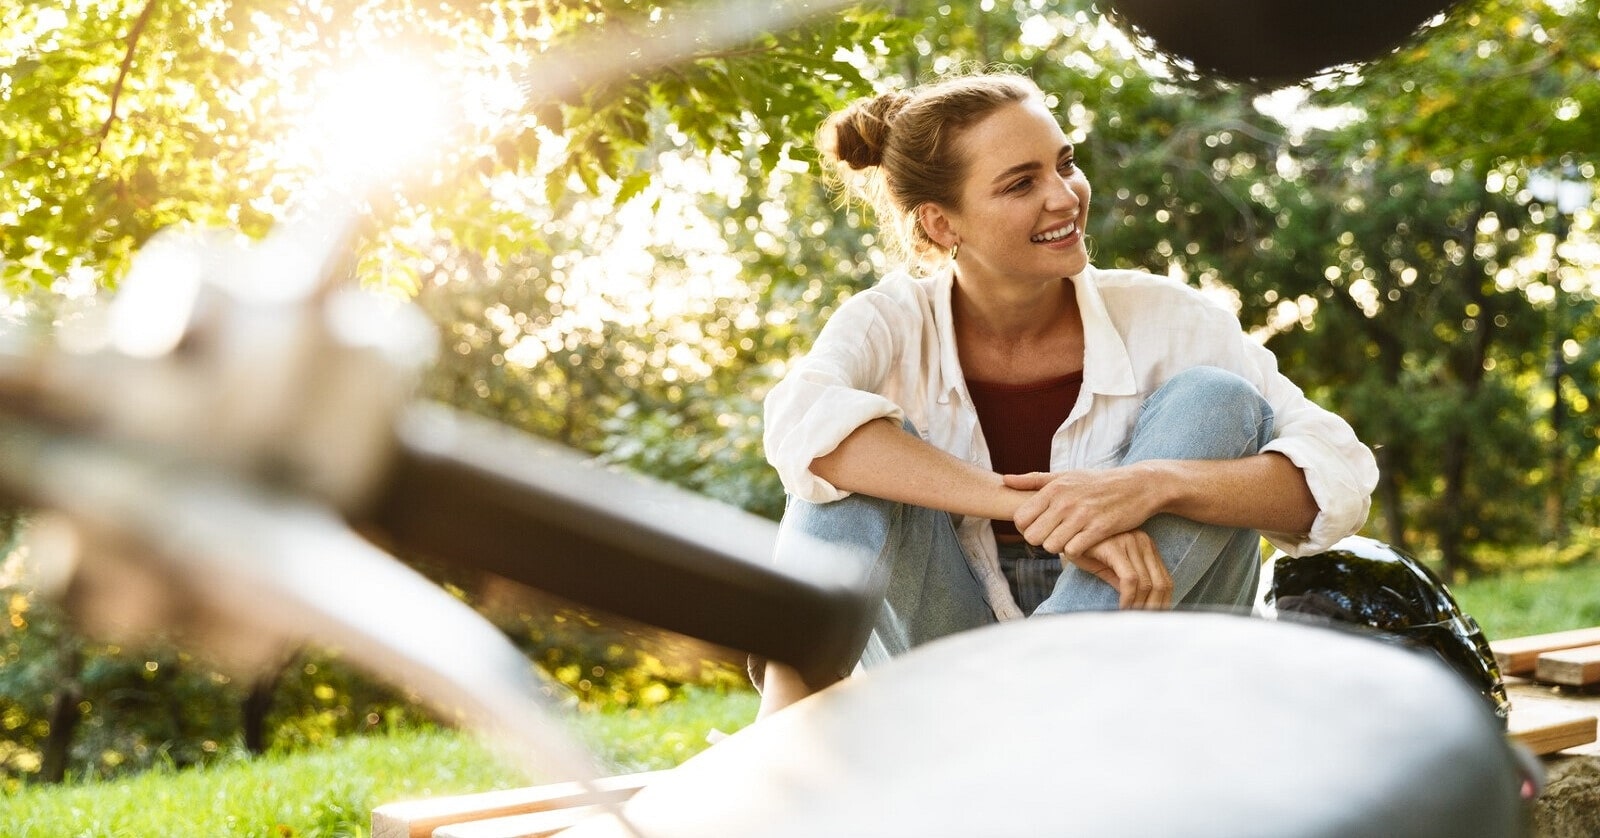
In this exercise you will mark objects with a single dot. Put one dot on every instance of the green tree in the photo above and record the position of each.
(1433, 227)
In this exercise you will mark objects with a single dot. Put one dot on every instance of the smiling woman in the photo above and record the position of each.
(1018, 432)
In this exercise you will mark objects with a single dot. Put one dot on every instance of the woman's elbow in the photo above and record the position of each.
(829, 466)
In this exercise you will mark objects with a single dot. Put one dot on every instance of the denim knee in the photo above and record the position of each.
(1214, 388)
(1210, 411)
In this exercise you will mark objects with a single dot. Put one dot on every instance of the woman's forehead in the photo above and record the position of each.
(1014, 133)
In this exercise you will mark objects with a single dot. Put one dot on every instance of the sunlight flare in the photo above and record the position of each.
(378, 117)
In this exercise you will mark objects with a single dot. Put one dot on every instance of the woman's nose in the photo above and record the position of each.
(1061, 194)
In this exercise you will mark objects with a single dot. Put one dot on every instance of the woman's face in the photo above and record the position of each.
(1024, 203)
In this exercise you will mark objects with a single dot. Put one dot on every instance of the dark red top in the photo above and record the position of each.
(1020, 420)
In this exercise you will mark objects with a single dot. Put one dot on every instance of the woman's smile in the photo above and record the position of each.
(1064, 236)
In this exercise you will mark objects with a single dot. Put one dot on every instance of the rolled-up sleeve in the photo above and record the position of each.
(830, 392)
(1340, 471)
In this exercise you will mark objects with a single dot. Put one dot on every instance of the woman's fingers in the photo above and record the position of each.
(1058, 528)
(1144, 550)
(1030, 482)
(1071, 511)
(1130, 563)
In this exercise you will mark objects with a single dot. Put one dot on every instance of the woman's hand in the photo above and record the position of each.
(1130, 563)
(1071, 511)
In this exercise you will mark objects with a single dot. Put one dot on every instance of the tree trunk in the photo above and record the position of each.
(1452, 557)
(64, 720)
(1389, 494)
(1555, 511)
(1390, 451)
(257, 705)
(1469, 369)
(1390, 455)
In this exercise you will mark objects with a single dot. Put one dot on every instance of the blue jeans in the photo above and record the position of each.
(911, 553)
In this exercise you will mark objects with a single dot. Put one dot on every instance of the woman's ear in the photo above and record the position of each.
(938, 225)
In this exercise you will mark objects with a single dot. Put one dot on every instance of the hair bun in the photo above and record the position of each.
(861, 131)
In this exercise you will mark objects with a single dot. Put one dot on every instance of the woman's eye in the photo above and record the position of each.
(1067, 166)
(1021, 185)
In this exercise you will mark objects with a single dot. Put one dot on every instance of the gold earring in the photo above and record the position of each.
(954, 249)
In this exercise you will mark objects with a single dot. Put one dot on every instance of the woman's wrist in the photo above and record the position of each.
(1161, 483)
(1005, 499)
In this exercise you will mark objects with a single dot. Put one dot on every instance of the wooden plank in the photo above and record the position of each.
(1520, 655)
(1546, 728)
(1574, 667)
(419, 818)
(536, 825)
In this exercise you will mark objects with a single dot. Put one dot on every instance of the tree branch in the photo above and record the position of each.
(122, 72)
(45, 152)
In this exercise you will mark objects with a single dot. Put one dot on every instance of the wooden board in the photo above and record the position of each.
(1574, 667)
(1520, 655)
(419, 818)
(1546, 727)
(536, 825)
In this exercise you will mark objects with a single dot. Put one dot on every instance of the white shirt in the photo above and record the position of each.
(890, 352)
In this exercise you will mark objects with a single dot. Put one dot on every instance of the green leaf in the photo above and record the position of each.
(631, 186)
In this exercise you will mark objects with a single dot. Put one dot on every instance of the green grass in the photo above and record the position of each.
(661, 737)
(1516, 603)
(331, 792)
(325, 793)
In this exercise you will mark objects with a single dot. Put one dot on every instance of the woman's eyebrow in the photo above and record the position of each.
(1017, 170)
(1032, 165)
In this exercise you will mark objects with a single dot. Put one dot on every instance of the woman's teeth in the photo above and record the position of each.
(1056, 235)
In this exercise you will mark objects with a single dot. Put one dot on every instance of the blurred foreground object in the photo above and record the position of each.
(1366, 583)
(201, 444)
(196, 446)
(1275, 42)
(1127, 724)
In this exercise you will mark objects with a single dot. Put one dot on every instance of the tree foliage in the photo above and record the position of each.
(1456, 304)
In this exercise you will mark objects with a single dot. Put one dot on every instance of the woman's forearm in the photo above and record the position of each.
(1264, 492)
(883, 460)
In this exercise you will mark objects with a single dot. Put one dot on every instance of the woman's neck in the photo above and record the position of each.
(1013, 312)
(1017, 334)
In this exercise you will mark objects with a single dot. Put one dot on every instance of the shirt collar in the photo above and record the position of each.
(1107, 369)
(945, 321)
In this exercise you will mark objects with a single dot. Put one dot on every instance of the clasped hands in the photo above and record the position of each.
(1093, 519)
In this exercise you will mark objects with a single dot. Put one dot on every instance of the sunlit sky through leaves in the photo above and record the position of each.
(379, 111)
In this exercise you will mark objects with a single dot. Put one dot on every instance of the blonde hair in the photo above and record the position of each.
(898, 151)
